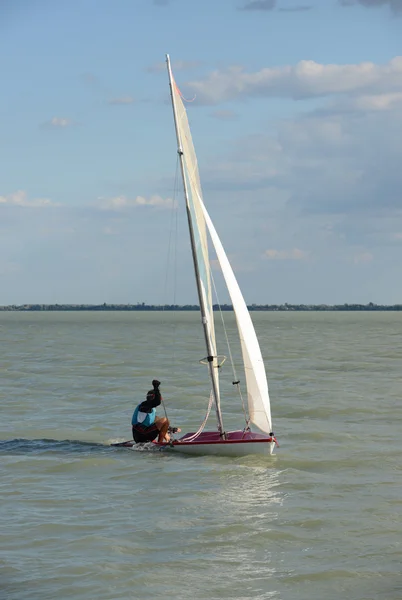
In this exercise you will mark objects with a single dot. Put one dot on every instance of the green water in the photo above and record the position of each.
(319, 521)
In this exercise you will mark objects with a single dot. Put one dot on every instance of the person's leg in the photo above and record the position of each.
(162, 424)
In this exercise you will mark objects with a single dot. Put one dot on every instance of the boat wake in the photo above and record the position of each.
(130, 445)
(50, 446)
(54, 447)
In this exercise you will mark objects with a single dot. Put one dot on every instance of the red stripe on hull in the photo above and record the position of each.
(208, 438)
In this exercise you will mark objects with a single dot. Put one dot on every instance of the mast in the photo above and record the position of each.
(212, 368)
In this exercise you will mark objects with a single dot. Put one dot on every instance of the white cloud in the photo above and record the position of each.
(58, 123)
(294, 254)
(379, 101)
(122, 100)
(119, 203)
(307, 79)
(327, 183)
(339, 164)
(19, 198)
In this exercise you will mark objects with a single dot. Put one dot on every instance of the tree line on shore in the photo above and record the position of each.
(141, 306)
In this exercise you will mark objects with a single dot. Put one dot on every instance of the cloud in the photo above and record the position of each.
(363, 104)
(19, 198)
(379, 101)
(122, 100)
(109, 231)
(362, 257)
(394, 5)
(327, 181)
(90, 79)
(291, 9)
(119, 203)
(294, 254)
(224, 115)
(58, 123)
(322, 165)
(260, 5)
(307, 79)
(177, 65)
(269, 5)
(329, 184)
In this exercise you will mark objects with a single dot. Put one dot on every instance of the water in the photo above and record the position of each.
(83, 520)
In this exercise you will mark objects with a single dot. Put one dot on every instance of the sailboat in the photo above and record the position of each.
(243, 441)
(219, 441)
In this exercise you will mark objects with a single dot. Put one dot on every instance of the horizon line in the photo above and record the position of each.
(142, 306)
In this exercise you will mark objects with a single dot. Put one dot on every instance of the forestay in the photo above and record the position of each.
(256, 379)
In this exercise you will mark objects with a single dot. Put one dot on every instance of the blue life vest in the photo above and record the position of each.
(142, 418)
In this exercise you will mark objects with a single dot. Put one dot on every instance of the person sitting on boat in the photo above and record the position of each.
(145, 424)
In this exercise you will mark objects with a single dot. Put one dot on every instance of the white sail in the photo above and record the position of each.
(194, 205)
(256, 379)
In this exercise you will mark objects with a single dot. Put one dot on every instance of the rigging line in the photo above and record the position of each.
(164, 408)
(236, 381)
(202, 426)
(181, 95)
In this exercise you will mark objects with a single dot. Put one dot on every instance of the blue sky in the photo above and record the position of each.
(297, 123)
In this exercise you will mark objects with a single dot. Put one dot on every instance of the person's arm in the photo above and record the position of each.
(153, 400)
(157, 399)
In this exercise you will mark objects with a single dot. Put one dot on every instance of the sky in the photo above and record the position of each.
(295, 108)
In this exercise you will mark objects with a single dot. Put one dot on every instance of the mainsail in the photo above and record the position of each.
(194, 206)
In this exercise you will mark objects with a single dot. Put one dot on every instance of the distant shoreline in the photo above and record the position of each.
(194, 307)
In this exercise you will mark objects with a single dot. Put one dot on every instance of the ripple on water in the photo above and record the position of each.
(83, 520)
